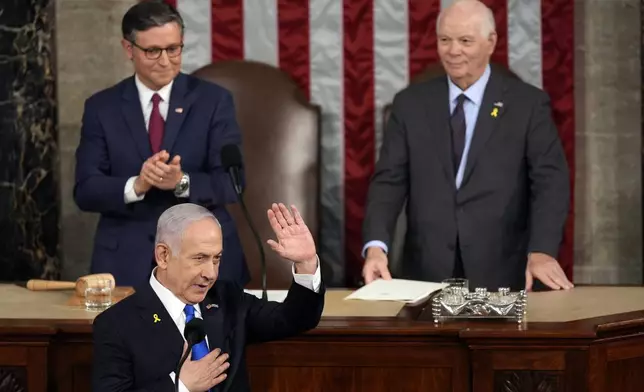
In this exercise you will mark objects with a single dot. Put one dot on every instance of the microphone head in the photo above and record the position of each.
(194, 331)
(230, 156)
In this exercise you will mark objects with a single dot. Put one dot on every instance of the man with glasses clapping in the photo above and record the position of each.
(152, 141)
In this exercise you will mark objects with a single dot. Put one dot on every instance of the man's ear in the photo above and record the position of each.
(127, 48)
(162, 255)
(493, 39)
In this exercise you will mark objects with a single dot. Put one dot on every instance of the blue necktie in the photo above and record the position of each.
(200, 349)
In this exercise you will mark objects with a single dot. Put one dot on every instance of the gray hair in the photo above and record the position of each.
(488, 25)
(175, 220)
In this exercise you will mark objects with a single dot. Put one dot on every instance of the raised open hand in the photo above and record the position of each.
(294, 240)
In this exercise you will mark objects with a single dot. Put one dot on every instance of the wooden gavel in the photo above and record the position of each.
(82, 283)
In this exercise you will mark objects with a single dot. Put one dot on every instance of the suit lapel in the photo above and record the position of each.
(488, 120)
(131, 108)
(214, 322)
(162, 327)
(220, 333)
(180, 101)
(438, 118)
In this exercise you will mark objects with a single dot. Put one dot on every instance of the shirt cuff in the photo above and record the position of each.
(311, 282)
(182, 388)
(374, 243)
(130, 195)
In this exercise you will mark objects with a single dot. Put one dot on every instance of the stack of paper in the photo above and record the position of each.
(408, 291)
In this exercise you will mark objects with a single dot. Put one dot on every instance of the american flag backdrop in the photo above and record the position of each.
(351, 57)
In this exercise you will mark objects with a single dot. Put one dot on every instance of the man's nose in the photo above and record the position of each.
(209, 271)
(454, 49)
(164, 59)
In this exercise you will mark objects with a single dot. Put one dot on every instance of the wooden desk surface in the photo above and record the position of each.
(589, 307)
(590, 339)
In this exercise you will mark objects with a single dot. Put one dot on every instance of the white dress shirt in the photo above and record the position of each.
(145, 97)
(174, 306)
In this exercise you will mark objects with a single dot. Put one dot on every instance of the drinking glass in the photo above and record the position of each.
(456, 285)
(98, 297)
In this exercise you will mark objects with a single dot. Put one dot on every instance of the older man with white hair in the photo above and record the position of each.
(478, 159)
(139, 341)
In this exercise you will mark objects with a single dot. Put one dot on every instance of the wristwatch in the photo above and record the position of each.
(182, 185)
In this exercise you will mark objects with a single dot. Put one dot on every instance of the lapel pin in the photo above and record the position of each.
(209, 306)
(179, 110)
(498, 104)
(156, 318)
(495, 112)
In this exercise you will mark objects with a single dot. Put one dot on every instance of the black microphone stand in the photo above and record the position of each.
(262, 255)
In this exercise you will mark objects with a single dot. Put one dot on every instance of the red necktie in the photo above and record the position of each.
(156, 125)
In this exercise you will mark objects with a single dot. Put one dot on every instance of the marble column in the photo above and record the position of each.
(608, 196)
(29, 198)
(89, 58)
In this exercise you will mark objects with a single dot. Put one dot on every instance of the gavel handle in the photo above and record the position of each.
(45, 285)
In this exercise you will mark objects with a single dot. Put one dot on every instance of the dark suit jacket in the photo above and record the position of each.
(514, 197)
(113, 146)
(133, 353)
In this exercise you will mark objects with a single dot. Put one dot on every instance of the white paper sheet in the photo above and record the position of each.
(273, 295)
(401, 290)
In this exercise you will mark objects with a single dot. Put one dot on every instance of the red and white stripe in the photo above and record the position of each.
(351, 57)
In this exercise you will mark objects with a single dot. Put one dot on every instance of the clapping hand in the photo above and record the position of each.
(155, 172)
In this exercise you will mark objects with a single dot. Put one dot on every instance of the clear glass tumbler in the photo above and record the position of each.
(98, 296)
(457, 285)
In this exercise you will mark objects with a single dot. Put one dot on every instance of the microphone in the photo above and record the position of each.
(194, 333)
(232, 160)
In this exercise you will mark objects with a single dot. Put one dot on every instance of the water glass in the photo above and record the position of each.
(457, 285)
(98, 297)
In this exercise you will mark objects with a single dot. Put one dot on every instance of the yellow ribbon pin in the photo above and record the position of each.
(156, 318)
(495, 112)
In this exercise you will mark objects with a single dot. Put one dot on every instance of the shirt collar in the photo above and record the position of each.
(172, 304)
(146, 93)
(474, 93)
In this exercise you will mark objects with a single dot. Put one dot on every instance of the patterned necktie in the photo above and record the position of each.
(200, 349)
(457, 122)
(156, 125)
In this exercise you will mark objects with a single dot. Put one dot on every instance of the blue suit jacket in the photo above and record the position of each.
(113, 146)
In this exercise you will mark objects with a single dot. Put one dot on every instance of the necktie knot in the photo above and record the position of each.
(156, 98)
(460, 100)
(189, 310)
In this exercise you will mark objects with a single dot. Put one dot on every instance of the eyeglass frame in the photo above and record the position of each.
(161, 50)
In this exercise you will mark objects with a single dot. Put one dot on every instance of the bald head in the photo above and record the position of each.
(466, 40)
(470, 9)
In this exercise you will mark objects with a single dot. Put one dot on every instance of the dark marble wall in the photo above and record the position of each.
(29, 192)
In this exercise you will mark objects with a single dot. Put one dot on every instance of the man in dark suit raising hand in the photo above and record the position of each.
(478, 158)
(139, 341)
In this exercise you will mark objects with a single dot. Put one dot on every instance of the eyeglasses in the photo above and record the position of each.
(155, 53)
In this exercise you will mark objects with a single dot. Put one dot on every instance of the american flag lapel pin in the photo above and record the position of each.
(210, 306)
(179, 110)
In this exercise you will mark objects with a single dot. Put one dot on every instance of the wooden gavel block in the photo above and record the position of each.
(82, 283)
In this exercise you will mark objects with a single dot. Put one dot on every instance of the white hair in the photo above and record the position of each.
(175, 220)
(488, 25)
